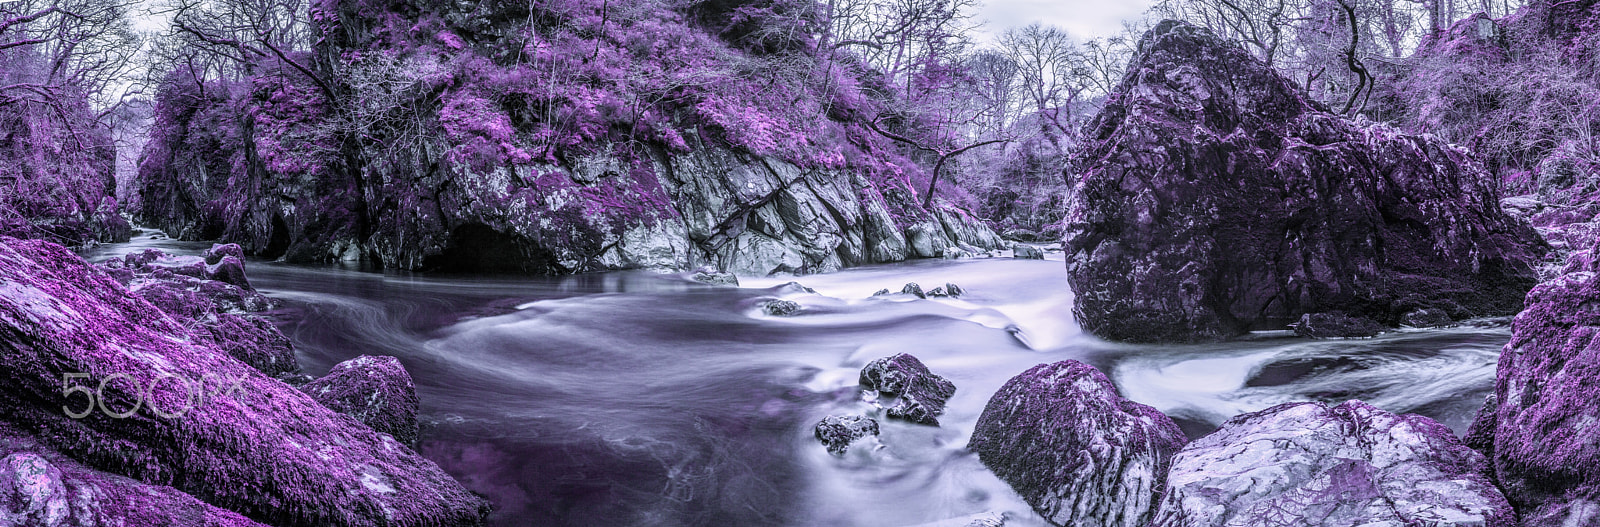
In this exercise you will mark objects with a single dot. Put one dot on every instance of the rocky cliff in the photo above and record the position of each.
(1215, 198)
(459, 137)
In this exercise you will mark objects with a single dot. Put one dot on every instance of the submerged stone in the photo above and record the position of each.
(1074, 449)
(1309, 464)
(1335, 325)
(781, 308)
(919, 394)
(1027, 252)
(837, 432)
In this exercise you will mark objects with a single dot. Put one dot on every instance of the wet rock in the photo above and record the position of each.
(218, 251)
(1216, 198)
(956, 253)
(913, 289)
(254, 445)
(982, 519)
(953, 290)
(918, 394)
(1027, 252)
(1074, 449)
(229, 270)
(837, 432)
(375, 390)
(1539, 426)
(1335, 326)
(1309, 464)
(1426, 318)
(881, 292)
(710, 275)
(42, 488)
(781, 308)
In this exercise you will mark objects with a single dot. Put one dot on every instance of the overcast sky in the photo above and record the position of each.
(1082, 18)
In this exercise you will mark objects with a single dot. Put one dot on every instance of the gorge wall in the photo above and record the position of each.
(553, 139)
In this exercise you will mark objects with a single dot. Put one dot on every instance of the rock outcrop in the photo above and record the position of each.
(1075, 450)
(213, 296)
(487, 176)
(171, 408)
(917, 395)
(1215, 198)
(1540, 425)
(1312, 465)
(375, 390)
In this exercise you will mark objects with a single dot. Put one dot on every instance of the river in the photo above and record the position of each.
(642, 398)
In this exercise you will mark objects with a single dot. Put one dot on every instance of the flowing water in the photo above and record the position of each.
(639, 398)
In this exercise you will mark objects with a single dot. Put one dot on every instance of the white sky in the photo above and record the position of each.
(1084, 19)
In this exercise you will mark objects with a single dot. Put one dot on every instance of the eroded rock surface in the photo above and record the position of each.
(1309, 464)
(1215, 198)
(375, 390)
(1336, 326)
(1076, 451)
(918, 395)
(254, 445)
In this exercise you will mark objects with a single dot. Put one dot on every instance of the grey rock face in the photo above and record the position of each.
(837, 432)
(919, 395)
(1074, 449)
(1309, 464)
(710, 275)
(1215, 198)
(375, 390)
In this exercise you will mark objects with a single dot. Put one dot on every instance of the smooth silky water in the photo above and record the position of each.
(639, 398)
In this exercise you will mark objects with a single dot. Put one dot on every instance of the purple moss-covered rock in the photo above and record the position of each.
(837, 432)
(1335, 326)
(918, 395)
(215, 300)
(1216, 198)
(263, 449)
(1074, 449)
(42, 488)
(1309, 464)
(1540, 426)
(375, 390)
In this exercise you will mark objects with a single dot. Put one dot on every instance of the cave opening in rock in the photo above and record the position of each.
(277, 239)
(477, 248)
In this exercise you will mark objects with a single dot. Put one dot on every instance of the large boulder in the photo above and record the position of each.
(1541, 426)
(375, 390)
(1216, 198)
(918, 395)
(172, 409)
(1312, 465)
(1074, 449)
